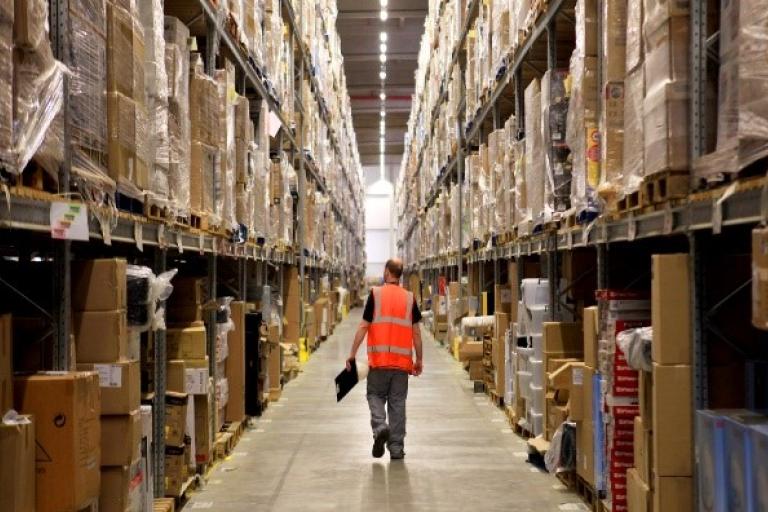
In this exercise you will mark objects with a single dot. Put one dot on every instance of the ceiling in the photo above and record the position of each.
(359, 26)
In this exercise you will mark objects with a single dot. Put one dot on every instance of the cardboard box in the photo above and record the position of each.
(638, 493)
(187, 291)
(125, 53)
(65, 408)
(585, 451)
(476, 370)
(665, 138)
(185, 314)
(645, 397)
(17, 472)
(563, 338)
(121, 488)
(670, 309)
(672, 493)
(590, 336)
(126, 123)
(470, 351)
(6, 363)
(642, 445)
(672, 421)
(502, 299)
(121, 439)
(235, 364)
(614, 39)
(175, 469)
(576, 394)
(202, 176)
(666, 51)
(176, 376)
(175, 418)
(501, 324)
(760, 278)
(196, 375)
(186, 342)
(203, 435)
(99, 285)
(120, 385)
(101, 336)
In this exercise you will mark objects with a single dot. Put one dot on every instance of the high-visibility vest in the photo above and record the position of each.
(390, 335)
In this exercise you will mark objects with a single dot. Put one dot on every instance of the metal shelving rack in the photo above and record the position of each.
(691, 225)
(25, 217)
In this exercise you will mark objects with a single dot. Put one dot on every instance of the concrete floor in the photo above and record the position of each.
(309, 453)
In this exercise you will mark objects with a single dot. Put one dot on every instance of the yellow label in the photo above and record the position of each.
(593, 156)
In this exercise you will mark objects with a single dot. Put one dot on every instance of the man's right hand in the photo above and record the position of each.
(349, 364)
(418, 367)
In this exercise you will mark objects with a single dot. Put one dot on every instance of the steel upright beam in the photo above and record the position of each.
(158, 402)
(302, 203)
(698, 80)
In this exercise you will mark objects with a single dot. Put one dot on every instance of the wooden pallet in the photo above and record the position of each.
(664, 186)
(31, 193)
(630, 202)
(223, 445)
(198, 220)
(497, 400)
(235, 428)
(164, 505)
(522, 432)
(129, 204)
(157, 212)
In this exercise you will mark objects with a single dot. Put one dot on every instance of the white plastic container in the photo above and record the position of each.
(535, 291)
(537, 369)
(522, 320)
(524, 381)
(537, 316)
(537, 345)
(536, 421)
(538, 396)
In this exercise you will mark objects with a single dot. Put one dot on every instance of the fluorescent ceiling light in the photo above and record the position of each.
(382, 58)
(383, 15)
(383, 37)
(383, 75)
(383, 3)
(383, 113)
(383, 47)
(382, 96)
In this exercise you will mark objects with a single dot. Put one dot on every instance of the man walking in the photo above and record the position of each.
(390, 320)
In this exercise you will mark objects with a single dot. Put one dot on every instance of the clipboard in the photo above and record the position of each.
(345, 381)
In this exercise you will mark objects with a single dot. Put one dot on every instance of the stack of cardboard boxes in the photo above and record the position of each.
(563, 346)
(582, 399)
(68, 438)
(620, 389)
(671, 388)
(127, 119)
(179, 129)
(235, 367)
(105, 346)
(204, 123)
(188, 361)
(177, 444)
(17, 437)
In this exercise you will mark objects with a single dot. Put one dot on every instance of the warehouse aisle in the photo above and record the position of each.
(309, 453)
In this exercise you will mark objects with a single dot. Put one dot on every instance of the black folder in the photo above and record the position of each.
(345, 381)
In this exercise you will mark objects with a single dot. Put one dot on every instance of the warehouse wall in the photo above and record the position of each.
(379, 219)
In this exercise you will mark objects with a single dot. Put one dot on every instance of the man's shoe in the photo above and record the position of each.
(379, 442)
(397, 456)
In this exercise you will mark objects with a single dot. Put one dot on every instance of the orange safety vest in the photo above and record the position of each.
(390, 335)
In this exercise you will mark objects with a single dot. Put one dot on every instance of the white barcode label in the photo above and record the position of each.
(110, 375)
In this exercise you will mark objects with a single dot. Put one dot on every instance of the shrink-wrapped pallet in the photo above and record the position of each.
(227, 100)
(534, 147)
(522, 213)
(179, 128)
(156, 93)
(742, 113)
(558, 164)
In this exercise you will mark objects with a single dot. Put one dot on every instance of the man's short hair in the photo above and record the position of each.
(395, 268)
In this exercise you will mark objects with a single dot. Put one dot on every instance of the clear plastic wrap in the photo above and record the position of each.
(87, 102)
(534, 145)
(226, 201)
(635, 54)
(522, 213)
(558, 164)
(635, 344)
(179, 129)
(613, 143)
(582, 134)
(666, 138)
(634, 133)
(742, 121)
(156, 92)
